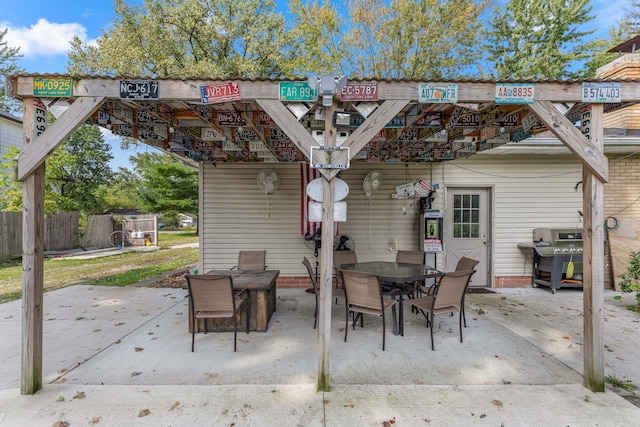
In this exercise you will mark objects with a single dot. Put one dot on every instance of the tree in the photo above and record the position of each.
(414, 39)
(165, 184)
(8, 64)
(120, 193)
(77, 169)
(631, 18)
(540, 39)
(187, 38)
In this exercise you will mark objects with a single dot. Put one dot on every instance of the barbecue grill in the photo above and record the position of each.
(553, 250)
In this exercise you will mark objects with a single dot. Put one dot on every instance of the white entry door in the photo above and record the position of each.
(467, 228)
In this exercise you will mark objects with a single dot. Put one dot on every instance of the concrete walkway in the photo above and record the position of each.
(121, 356)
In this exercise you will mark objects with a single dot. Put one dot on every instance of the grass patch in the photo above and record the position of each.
(626, 385)
(115, 270)
(176, 238)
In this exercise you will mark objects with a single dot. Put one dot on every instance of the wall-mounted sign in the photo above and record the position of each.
(438, 93)
(219, 93)
(329, 157)
(230, 119)
(515, 93)
(585, 120)
(211, 134)
(297, 91)
(601, 92)
(56, 87)
(139, 89)
(359, 91)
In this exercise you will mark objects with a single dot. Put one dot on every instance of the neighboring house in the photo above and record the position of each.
(187, 220)
(10, 131)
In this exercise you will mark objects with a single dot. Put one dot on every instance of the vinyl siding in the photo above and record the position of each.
(528, 192)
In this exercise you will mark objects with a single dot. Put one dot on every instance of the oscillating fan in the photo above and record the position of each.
(343, 242)
(372, 182)
(268, 181)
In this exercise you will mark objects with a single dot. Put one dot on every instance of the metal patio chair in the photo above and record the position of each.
(211, 296)
(447, 297)
(363, 295)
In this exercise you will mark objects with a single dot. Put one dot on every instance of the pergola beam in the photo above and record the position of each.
(36, 152)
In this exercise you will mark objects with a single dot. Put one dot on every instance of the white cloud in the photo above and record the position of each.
(44, 38)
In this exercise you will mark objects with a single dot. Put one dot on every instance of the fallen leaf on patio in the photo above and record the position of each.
(174, 406)
(62, 370)
(117, 341)
(120, 324)
(95, 420)
(139, 349)
(97, 330)
(350, 405)
(497, 402)
(60, 399)
(566, 338)
(79, 395)
(144, 413)
(61, 424)
(392, 420)
(483, 415)
(135, 374)
(506, 382)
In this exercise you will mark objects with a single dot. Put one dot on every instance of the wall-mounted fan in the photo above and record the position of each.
(372, 182)
(343, 242)
(268, 181)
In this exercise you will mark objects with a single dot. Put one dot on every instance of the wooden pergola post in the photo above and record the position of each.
(32, 263)
(593, 262)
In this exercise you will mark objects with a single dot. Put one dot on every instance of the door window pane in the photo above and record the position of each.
(466, 216)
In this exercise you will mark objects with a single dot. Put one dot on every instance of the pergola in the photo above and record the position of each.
(330, 123)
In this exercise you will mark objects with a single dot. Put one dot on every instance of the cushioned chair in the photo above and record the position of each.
(447, 297)
(364, 296)
(211, 296)
(251, 260)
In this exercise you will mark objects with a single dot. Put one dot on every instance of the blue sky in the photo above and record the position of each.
(42, 29)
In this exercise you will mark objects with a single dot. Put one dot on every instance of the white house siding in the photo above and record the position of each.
(528, 192)
(10, 133)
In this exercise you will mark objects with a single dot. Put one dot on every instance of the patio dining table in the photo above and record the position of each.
(397, 276)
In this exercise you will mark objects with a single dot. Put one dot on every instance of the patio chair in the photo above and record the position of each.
(251, 260)
(338, 293)
(410, 257)
(339, 259)
(211, 296)
(447, 297)
(363, 295)
(465, 263)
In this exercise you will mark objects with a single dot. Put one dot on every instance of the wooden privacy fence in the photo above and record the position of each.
(60, 232)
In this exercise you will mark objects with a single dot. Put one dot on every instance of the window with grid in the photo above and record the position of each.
(466, 216)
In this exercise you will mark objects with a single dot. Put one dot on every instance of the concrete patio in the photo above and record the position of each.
(121, 356)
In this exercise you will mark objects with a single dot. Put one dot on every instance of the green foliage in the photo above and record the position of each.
(166, 185)
(540, 39)
(414, 38)
(187, 38)
(73, 174)
(8, 64)
(631, 278)
(626, 385)
(119, 193)
(77, 169)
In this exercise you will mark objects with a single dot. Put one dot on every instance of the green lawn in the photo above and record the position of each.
(115, 270)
